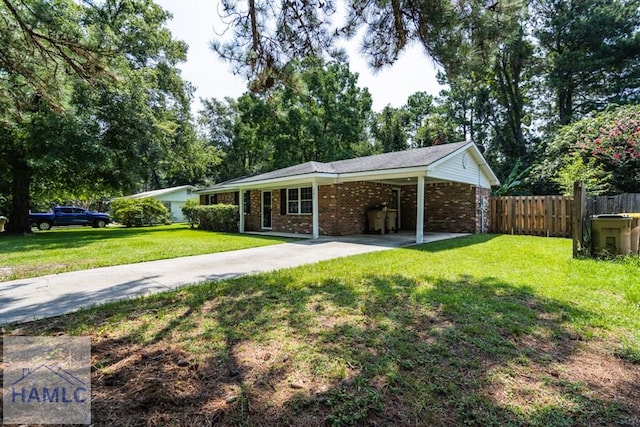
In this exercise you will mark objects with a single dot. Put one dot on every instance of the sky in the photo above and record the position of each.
(193, 22)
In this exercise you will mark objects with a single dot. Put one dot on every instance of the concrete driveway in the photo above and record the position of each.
(23, 300)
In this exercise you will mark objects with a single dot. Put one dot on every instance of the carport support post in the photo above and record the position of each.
(241, 211)
(420, 215)
(315, 220)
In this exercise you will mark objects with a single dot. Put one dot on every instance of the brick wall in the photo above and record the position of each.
(354, 199)
(449, 207)
(301, 223)
(342, 207)
(328, 209)
(253, 219)
(227, 198)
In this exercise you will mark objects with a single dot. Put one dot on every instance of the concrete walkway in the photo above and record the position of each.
(23, 300)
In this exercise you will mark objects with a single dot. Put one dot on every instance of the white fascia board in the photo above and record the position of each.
(207, 191)
(383, 174)
(289, 181)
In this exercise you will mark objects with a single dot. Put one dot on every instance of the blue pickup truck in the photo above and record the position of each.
(69, 215)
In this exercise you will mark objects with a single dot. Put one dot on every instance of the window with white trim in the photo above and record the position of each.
(299, 200)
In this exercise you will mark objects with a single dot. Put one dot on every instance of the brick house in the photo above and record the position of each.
(439, 188)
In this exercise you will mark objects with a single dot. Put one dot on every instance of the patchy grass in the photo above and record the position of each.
(482, 330)
(69, 249)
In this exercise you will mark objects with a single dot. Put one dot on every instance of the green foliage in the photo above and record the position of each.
(596, 180)
(415, 336)
(265, 38)
(92, 133)
(387, 128)
(353, 403)
(45, 45)
(66, 248)
(608, 145)
(513, 183)
(139, 212)
(218, 217)
(319, 115)
(190, 211)
(591, 49)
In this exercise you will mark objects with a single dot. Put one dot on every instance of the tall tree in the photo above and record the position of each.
(593, 52)
(389, 131)
(43, 44)
(418, 107)
(241, 130)
(439, 127)
(319, 115)
(266, 35)
(90, 132)
(322, 113)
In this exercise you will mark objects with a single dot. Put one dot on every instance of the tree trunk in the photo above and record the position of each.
(565, 103)
(19, 217)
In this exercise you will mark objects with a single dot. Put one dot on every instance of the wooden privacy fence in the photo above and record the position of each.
(548, 216)
(622, 203)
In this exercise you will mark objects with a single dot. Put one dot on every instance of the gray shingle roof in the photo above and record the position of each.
(395, 160)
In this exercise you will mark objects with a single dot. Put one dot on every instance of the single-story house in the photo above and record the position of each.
(172, 198)
(439, 188)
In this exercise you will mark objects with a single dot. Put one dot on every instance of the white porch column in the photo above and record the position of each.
(241, 209)
(315, 210)
(420, 213)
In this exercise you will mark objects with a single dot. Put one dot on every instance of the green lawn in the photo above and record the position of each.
(481, 331)
(67, 249)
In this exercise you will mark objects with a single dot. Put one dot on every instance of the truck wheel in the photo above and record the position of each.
(44, 225)
(101, 223)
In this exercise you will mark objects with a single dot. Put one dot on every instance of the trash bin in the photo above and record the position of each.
(635, 233)
(611, 234)
(376, 219)
(392, 214)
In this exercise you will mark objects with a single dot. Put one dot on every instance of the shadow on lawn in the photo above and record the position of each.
(269, 350)
(455, 243)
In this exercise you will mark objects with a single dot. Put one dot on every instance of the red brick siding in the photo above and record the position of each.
(450, 207)
(227, 198)
(408, 207)
(328, 210)
(289, 223)
(354, 199)
(342, 208)
(253, 219)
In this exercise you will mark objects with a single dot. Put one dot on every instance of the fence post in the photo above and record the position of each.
(579, 200)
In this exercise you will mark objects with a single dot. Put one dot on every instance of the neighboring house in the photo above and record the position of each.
(172, 198)
(439, 188)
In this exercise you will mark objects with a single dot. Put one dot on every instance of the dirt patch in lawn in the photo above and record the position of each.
(264, 384)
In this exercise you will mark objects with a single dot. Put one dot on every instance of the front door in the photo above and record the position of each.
(266, 210)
